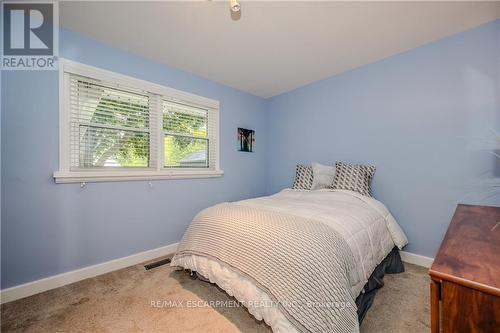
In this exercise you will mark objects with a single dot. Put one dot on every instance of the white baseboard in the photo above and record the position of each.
(35, 287)
(416, 259)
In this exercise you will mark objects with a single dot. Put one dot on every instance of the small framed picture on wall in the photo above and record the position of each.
(246, 140)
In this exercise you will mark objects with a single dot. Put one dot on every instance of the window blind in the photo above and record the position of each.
(189, 136)
(110, 126)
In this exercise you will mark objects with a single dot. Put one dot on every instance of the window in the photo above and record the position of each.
(110, 127)
(185, 137)
(113, 127)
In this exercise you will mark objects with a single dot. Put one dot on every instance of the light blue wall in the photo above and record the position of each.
(423, 118)
(49, 229)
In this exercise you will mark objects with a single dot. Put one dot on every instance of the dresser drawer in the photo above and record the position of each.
(465, 285)
(468, 310)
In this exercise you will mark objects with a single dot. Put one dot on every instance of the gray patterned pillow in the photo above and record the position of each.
(353, 177)
(303, 178)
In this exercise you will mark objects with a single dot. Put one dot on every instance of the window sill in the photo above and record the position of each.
(62, 177)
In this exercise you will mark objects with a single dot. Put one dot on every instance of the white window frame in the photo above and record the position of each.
(66, 175)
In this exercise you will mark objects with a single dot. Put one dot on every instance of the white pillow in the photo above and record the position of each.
(322, 176)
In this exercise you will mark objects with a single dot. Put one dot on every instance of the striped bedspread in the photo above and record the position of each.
(302, 264)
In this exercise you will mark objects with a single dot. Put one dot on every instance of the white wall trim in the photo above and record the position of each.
(35, 287)
(70, 66)
(416, 259)
(62, 177)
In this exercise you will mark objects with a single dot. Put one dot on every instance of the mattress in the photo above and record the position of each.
(365, 224)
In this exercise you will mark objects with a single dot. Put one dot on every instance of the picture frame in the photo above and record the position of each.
(245, 140)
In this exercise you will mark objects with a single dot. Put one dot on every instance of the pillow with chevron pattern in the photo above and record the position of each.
(303, 178)
(353, 177)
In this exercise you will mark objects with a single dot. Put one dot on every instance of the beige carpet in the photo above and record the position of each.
(121, 302)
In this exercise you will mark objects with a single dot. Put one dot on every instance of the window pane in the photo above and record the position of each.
(110, 125)
(184, 119)
(105, 147)
(185, 152)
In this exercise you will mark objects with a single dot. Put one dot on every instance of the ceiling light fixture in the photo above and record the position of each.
(235, 5)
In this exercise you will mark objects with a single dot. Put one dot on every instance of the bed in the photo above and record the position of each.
(299, 260)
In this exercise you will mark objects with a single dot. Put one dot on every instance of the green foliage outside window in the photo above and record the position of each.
(185, 135)
(127, 148)
(192, 129)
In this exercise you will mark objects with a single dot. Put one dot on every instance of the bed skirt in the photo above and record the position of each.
(391, 264)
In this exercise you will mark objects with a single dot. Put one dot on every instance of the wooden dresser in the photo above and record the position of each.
(465, 275)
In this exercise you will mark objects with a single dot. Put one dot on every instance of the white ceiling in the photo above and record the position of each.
(274, 47)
